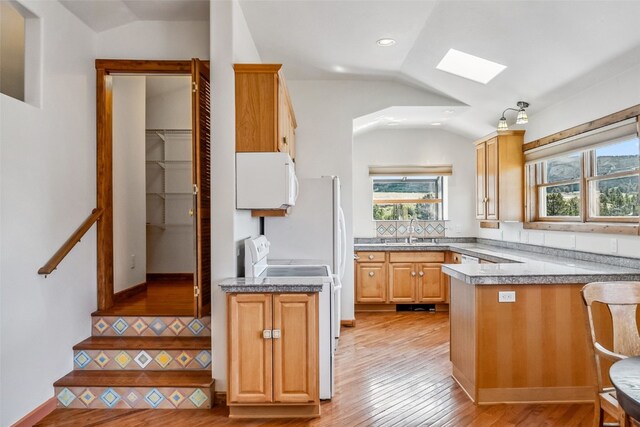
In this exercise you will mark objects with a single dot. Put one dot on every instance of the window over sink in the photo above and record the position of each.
(402, 198)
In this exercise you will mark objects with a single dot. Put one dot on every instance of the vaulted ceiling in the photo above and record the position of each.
(552, 49)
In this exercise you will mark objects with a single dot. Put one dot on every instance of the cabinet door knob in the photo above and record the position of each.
(413, 273)
(356, 257)
(371, 256)
(284, 140)
(371, 274)
(190, 212)
(276, 334)
(486, 199)
(421, 274)
(266, 334)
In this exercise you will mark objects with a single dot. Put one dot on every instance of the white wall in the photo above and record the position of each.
(168, 102)
(155, 40)
(47, 187)
(415, 147)
(230, 43)
(325, 110)
(615, 94)
(129, 201)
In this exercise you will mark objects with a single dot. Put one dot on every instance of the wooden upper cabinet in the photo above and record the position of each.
(265, 121)
(500, 176)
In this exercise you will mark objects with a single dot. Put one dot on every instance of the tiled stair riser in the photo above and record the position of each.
(154, 360)
(133, 398)
(158, 326)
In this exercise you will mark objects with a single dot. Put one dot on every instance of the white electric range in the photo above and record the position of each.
(257, 265)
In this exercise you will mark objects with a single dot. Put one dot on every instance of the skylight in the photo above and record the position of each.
(469, 66)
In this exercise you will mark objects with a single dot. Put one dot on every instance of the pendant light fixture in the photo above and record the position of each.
(521, 118)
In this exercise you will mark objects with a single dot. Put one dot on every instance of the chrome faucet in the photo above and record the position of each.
(411, 229)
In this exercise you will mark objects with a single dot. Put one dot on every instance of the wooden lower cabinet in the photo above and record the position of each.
(400, 277)
(273, 367)
(371, 282)
(415, 283)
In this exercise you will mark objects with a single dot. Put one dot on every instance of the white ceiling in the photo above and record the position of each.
(552, 49)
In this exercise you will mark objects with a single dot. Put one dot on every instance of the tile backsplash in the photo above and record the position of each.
(423, 229)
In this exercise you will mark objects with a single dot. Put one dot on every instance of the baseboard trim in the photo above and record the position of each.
(274, 411)
(579, 394)
(37, 414)
(169, 277)
(128, 293)
(348, 323)
(220, 398)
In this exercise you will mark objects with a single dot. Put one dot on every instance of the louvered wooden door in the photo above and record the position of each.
(201, 117)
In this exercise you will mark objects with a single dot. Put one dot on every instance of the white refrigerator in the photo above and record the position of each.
(314, 230)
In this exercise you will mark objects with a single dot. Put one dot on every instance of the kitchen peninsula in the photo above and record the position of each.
(518, 325)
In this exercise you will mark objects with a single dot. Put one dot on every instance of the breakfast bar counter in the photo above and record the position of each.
(518, 323)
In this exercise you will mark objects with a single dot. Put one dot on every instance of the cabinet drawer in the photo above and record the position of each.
(416, 257)
(456, 258)
(370, 256)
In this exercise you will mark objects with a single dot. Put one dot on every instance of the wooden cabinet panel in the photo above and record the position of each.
(481, 188)
(250, 355)
(371, 256)
(371, 284)
(492, 178)
(456, 258)
(295, 353)
(402, 282)
(430, 283)
(416, 257)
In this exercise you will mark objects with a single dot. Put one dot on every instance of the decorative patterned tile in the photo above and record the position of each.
(139, 326)
(87, 397)
(122, 359)
(429, 229)
(158, 326)
(440, 228)
(132, 398)
(177, 326)
(183, 359)
(65, 397)
(176, 398)
(143, 359)
(120, 326)
(101, 325)
(163, 358)
(402, 229)
(154, 398)
(110, 398)
(198, 397)
(204, 358)
(102, 359)
(196, 326)
(82, 359)
(151, 326)
(386, 228)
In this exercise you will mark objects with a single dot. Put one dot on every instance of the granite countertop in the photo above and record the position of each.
(518, 266)
(273, 284)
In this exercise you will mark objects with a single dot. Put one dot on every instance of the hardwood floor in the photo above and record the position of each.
(393, 369)
(162, 298)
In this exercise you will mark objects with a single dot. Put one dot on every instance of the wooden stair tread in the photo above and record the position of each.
(145, 343)
(200, 379)
(144, 312)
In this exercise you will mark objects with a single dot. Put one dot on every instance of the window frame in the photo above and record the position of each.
(441, 209)
(534, 172)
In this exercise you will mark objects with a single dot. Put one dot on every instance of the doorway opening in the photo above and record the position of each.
(154, 187)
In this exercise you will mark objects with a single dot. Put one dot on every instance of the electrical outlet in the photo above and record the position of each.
(133, 261)
(507, 296)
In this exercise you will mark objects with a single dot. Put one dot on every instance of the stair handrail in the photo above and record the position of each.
(66, 247)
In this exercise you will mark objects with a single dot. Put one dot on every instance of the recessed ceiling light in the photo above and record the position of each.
(386, 42)
(436, 124)
(469, 66)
